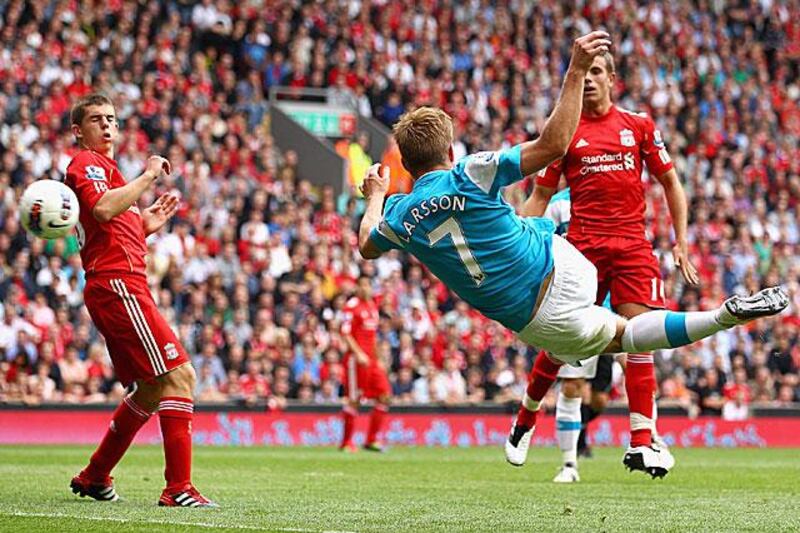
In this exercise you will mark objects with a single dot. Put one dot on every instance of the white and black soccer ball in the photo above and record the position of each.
(48, 209)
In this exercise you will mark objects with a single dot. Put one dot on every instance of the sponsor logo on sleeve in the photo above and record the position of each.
(657, 140)
(95, 173)
(481, 168)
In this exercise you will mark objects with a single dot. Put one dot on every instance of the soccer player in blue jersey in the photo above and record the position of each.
(515, 270)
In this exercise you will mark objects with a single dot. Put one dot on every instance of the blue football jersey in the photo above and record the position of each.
(457, 224)
(558, 210)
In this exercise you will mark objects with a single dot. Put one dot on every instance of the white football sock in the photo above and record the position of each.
(568, 427)
(657, 330)
(655, 418)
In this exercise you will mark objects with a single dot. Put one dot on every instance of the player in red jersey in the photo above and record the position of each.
(603, 168)
(143, 348)
(365, 374)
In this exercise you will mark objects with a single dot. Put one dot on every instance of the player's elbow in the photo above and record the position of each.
(557, 148)
(670, 181)
(101, 213)
(548, 149)
(366, 247)
(368, 252)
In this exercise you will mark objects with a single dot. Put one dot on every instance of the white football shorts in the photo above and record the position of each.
(586, 370)
(568, 324)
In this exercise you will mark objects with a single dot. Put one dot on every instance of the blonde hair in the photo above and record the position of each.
(610, 66)
(424, 137)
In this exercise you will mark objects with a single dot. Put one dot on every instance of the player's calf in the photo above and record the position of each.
(568, 421)
(542, 376)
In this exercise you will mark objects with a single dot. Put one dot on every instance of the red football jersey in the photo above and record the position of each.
(361, 321)
(117, 246)
(603, 167)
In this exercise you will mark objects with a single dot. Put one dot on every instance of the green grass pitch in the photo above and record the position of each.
(407, 489)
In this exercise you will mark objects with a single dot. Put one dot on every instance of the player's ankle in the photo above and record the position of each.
(724, 318)
(641, 437)
(526, 417)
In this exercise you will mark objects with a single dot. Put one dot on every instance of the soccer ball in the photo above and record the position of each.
(48, 209)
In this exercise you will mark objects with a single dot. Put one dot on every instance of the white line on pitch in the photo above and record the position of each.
(163, 522)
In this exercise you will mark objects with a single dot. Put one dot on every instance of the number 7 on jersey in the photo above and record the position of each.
(453, 228)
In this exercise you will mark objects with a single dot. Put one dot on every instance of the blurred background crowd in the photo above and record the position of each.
(255, 269)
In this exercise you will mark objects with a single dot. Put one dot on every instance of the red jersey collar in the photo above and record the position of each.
(595, 118)
(110, 160)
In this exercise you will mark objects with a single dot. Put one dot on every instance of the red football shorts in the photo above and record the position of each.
(626, 267)
(365, 381)
(141, 343)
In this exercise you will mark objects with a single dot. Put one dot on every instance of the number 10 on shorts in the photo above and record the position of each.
(657, 289)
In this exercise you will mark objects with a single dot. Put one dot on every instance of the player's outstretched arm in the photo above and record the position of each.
(374, 190)
(560, 127)
(116, 201)
(536, 204)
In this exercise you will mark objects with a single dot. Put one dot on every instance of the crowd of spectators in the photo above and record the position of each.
(255, 268)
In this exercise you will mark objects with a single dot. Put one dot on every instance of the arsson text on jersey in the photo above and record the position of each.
(428, 207)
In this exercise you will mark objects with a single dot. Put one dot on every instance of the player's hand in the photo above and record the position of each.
(157, 164)
(586, 48)
(376, 181)
(163, 209)
(680, 254)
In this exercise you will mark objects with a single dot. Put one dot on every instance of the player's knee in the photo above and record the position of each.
(599, 401)
(147, 395)
(180, 381)
(353, 401)
(572, 388)
(188, 377)
(615, 346)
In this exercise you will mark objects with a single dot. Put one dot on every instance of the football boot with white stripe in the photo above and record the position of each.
(100, 491)
(190, 497)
